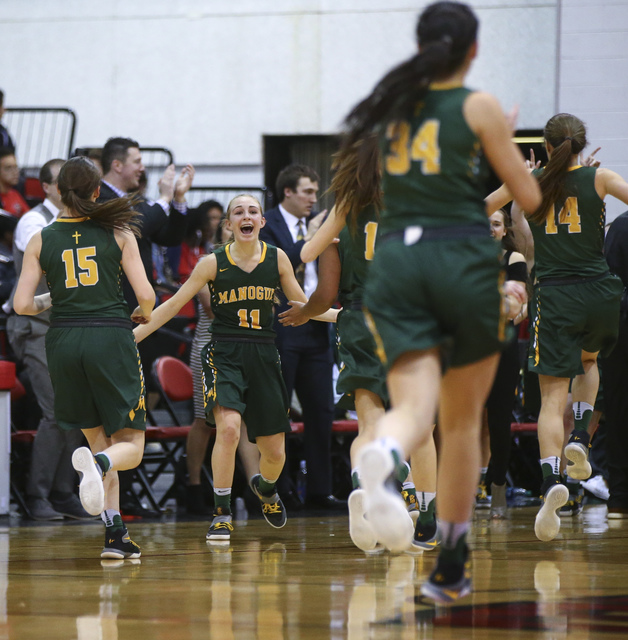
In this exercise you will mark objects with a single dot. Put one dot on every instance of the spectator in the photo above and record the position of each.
(52, 480)
(5, 137)
(615, 377)
(10, 198)
(7, 265)
(306, 356)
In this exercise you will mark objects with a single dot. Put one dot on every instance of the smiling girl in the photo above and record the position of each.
(241, 368)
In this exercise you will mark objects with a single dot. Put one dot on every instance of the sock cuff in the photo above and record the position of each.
(553, 462)
(579, 409)
(222, 492)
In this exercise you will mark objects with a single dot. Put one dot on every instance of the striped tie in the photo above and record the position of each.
(299, 272)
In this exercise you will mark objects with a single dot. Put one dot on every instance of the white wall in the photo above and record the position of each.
(593, 78)
(208, 78)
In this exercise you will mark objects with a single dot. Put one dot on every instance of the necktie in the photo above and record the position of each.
(299, 272)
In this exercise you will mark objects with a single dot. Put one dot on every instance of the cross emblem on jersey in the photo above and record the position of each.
(76, 236)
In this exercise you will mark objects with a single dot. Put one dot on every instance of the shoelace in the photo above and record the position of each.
(223, 525)
(271, 508)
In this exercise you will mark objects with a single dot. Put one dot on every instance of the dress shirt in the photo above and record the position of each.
(311, 278)
(30, 223)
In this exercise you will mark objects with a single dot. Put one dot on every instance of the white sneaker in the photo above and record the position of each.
(597, 487)
(91, 489)
(547, 522)
(578, 455)
(360, 530)
(386, 509)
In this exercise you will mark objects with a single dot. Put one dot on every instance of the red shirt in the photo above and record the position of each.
(13, 202)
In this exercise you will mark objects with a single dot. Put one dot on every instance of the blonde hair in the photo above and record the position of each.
(231, 204)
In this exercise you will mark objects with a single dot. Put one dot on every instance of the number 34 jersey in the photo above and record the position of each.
(243, 302)
(82, 264)
(435, 171)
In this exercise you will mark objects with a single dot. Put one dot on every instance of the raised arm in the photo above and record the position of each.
(326, 293)
(204, 272)
(608, 182)
(486, 118)
(293, 291)
(325, 235)
(25, 302)
(136, 275)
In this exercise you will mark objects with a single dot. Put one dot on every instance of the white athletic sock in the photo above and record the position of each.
(451, 532)
(554, 462)
(424, 498)
(579, 408)
(222, 492)
(107, 516)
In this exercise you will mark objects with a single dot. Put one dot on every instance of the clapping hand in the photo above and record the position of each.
(166, 183)
(184, 182)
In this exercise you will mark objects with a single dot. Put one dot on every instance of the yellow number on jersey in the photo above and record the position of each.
(568, 215)
(424, 148)
(370, 231)
(88, 277)
(244, 320)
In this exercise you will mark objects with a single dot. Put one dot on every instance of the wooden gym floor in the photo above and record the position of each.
(307, 581)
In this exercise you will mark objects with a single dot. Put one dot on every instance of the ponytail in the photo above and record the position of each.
(567, 136)
(356, 183)
(78, 180)
(445, 32)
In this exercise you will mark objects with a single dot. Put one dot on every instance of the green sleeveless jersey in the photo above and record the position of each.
(243, 302)
(356, 251)
(82, 264)
(571, 240)
(434, 170)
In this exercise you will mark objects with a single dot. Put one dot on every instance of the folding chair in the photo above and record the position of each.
(173, 379)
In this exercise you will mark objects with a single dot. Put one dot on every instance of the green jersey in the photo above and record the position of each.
(571, 240)
(243, 302)
(82, 264)
(434, 169)
(356, 250)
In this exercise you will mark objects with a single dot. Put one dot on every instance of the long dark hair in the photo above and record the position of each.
(445, 32)
(568, 137)
(509, 241)
(78, 179)
(356, 183)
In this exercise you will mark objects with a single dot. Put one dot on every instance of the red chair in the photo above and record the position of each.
(173, 379)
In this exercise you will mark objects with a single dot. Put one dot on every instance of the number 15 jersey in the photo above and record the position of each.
(243, 302)
(82, 264)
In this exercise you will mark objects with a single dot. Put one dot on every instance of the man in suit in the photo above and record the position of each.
(50, 490)
(163, 223)
(306, 355)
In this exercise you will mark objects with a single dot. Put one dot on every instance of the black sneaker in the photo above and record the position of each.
(449, 581)
(425, 535)
(118, 545)
(221, 526)
(574, 505)
(272, 507)
(577, 452)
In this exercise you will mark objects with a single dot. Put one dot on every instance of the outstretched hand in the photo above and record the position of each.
(590, 160)
(293, 317)
(532, 163)
(314, 224)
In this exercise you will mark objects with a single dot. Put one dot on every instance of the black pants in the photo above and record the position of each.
(499, 406)
(615, 382)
